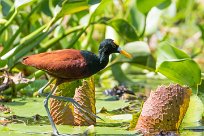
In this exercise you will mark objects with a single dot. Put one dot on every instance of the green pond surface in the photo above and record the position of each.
(116, 123)
(28, 107)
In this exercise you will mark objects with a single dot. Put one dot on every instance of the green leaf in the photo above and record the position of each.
(167, 52)
(10, 41)
(201, 27)
(141, 54)
(164, 5)
(124, 29)
(54, 40)
(195, 110)
(32, 87)
(66, 8)
(100, 9)
(72, 7)
(193, 130)
(119, 75)
(121, 117)
(183, 71)
(3, 21)
(45, 7)
(32, 45)
(92, 2)
(6, 6)
(201, 88)
(23, 43)
(185, 8)
(19, 86)
(153, 20)
(22, 3)
(136, 18)
(145, 5)
(3, 63)
(177, 66)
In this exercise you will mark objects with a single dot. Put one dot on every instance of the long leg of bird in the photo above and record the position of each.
(40, 91)
(76, 104)
(55, 131)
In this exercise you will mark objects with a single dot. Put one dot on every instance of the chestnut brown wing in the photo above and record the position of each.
(68, 63)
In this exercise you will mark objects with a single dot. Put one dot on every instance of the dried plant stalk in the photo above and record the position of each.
(85, 96)
(62, 112)
(164, 109)
(65, 113)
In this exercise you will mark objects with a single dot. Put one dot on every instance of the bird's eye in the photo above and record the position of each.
(114, 46)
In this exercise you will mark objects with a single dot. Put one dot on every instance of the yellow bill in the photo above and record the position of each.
(126, 54)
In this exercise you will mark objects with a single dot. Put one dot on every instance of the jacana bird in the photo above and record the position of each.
(68, 65)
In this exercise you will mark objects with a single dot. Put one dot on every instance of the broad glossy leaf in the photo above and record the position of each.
(141, 55)
(45, 7)
(118, 73)
(164, 4)
(152, 21)
(35, 75)
(32, 87)
(122, 117)
(145, 5)
(141, 58)
(135, 17)
(68, 7)
(21, 3)
(124, 29)
(177, 66)
(72, 7)
(92, 2)
(201, 27)
(201, 88)
(106, 77)
(99, 10)
(23, 42)
(194, 130)
(154, 17)
(6, 6)
(2, 63)
(195, 110)
(183, 71)
(167, 52)
(2, 21)
(33, 44)
(184, 8)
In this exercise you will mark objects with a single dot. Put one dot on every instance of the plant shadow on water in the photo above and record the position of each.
(34, 120)
(16, 103)
(122, 124)
(192, 129)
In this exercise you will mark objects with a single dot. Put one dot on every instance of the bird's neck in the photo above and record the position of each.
(103, 59)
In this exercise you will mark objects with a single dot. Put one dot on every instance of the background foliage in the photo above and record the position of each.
(164, 37)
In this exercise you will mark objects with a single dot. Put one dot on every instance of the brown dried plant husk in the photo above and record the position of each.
(164, 110)
(85, 96)
(65, 113)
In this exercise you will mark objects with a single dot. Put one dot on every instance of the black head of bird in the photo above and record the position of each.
(108, 46)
